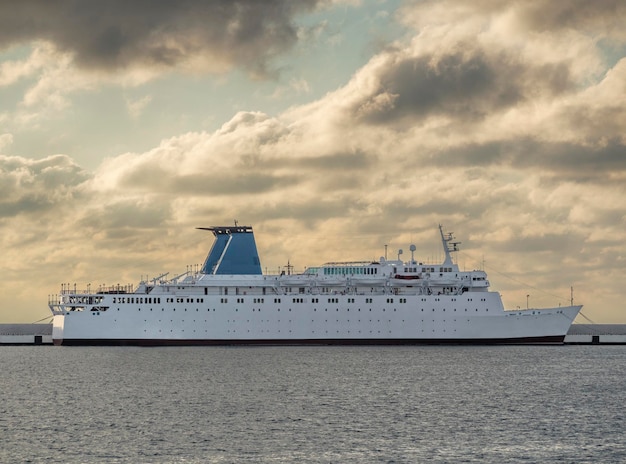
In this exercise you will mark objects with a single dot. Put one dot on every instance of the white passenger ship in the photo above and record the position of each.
(230, 301)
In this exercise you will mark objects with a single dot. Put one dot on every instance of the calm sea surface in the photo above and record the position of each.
(313, 404)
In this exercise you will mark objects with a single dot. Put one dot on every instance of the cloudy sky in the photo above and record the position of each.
(333, 127)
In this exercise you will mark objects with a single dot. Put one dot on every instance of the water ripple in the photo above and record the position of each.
(313, 404)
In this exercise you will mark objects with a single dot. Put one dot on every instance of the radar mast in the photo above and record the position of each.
(448, 245)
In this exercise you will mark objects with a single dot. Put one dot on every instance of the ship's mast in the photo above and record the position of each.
(448, 245)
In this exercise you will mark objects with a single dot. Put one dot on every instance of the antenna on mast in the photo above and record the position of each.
(448, 245)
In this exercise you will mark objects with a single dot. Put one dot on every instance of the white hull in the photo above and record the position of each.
(429, 319)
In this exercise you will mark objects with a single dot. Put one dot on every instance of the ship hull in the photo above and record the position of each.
(317, 326)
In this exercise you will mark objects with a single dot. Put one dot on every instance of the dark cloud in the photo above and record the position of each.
(595, 123)
(559, 243)
(25, 203)
(430, 206)
(600, 15)
(356, 161)
(577, 161)
(116, 34)
(562, 160)
(348, 162)
(125, 217)
(231, 182)
(467, 84)
(35, 186)
(309, 211)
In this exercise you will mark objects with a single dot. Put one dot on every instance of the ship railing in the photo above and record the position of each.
(56, 309)
(284, 270)
(76, 292)
(56, 305)
(71, 289)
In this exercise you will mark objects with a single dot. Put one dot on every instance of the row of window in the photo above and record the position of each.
(184, 300)
(141, 300)
(303, 300)
(270, 321)
(225, 290)
(150, 300)
(236, 321)
(289, 331)
(350, 271)
(278, 309)
(253, 309)
(427, 269)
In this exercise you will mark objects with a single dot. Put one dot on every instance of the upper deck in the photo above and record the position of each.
(233, 267)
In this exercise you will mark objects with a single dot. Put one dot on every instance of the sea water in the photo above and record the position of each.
(430, 404)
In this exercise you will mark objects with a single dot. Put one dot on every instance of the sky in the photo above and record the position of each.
(332, 127)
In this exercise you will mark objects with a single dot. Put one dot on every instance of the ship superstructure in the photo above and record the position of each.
(230, 301)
